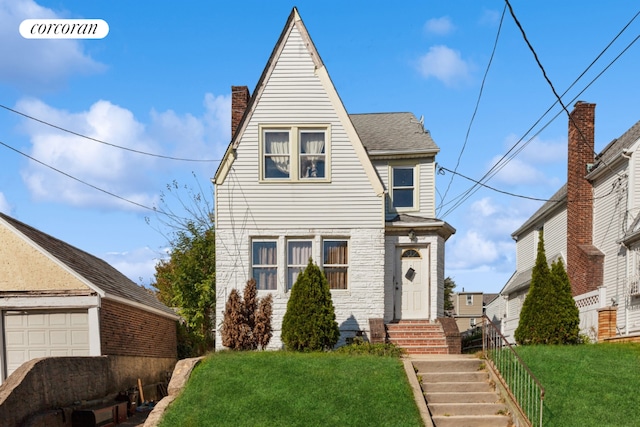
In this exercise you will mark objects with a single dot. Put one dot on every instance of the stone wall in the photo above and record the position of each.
(57, 382)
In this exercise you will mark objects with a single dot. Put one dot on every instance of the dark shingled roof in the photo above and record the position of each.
(96, 271)
(393, 133)
(615, 147)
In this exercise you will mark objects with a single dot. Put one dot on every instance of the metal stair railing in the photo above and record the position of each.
(517, 379)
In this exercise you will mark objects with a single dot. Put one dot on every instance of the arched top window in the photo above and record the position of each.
(411, 253)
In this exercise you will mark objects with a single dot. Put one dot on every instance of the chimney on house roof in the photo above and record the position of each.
(239, 101)
(584, 260)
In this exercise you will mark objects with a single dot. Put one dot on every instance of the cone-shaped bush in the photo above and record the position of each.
(566, 314)
(534, 324)
(310, 321)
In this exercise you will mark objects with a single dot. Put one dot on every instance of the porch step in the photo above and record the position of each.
(418, 336)
(459, 392)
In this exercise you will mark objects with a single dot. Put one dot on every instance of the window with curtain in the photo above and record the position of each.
(265, 264)
(276, 154)
(298, 254)
(402, 187)
(336, 263)
(312, 154)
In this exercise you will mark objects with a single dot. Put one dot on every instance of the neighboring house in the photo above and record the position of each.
(468, 308)
(56, 300)
(303, 179)
(593, 224)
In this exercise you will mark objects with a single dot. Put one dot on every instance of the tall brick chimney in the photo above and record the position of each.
(239, 101)
(584, 261)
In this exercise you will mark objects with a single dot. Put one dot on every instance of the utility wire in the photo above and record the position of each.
(475, 110)
(104, 142)
(502, 162)
(442, 168)
(86, 183)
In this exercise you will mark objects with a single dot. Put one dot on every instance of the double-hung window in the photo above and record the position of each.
(469, 299)
(403, 188)
(298, 254)
(336, 263)
(265, 264)
(294, 153)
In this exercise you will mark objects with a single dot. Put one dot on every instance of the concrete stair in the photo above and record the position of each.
(418, 336)
(459, 392)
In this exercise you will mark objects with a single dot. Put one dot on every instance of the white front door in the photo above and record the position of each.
(33, 334)
(411, 297)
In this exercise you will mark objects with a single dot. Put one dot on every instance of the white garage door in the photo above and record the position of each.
(33, 334)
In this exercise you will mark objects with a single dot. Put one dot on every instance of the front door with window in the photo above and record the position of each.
(411, 295)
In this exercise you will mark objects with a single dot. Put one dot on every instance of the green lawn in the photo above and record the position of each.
(295, 389)
(588, 385)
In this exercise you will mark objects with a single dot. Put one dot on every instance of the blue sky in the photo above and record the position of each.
(160, 82)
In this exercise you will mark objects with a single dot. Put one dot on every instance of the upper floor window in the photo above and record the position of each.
(264, 263)
(403, 187)
(469, 299)
(294, 153)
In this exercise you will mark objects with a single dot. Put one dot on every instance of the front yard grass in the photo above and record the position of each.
(277, 388)
(587, 385)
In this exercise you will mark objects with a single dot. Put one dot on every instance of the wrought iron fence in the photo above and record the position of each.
(516, 378)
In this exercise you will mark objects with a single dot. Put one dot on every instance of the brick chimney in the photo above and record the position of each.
(239, 101)
(584, 261)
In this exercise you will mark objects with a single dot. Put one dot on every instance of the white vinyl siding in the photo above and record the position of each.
(609, 224)
(295, 95)
(424, 183)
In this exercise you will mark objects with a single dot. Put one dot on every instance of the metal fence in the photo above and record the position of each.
(523, 387)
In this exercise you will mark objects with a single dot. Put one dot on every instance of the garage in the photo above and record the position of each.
(32, 334)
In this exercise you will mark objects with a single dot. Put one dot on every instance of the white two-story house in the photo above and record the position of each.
(593, 224)
(302, 178)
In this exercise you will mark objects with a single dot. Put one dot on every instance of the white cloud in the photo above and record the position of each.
(539, 163)
(5, 207)
(439, 26)
(138, 264)
(132, 176)
(37, 63)
(445, 64)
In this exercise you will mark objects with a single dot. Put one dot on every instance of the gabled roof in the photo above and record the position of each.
(559, 199)
(618, 145)
(99, 274)
(393, 133)
(521, 280)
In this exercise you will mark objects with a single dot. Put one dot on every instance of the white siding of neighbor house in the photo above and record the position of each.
(525, 250)
(295, 95)
(555, 236)
(425, 182)
(609, 225)
(513, 308)
(364, 298)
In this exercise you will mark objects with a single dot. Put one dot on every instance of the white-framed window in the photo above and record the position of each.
(335, 262)
(472, 322)
(264, 264)
(276, 151)
(469, 299)
(403, 184)
(298, 254)
(294, 153)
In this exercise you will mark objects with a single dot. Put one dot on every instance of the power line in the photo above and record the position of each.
(442, 168)
(475, 110)
(86, 183)
(104, 142)
(502, 162)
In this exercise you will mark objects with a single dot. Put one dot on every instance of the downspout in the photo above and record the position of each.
(627, 298)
